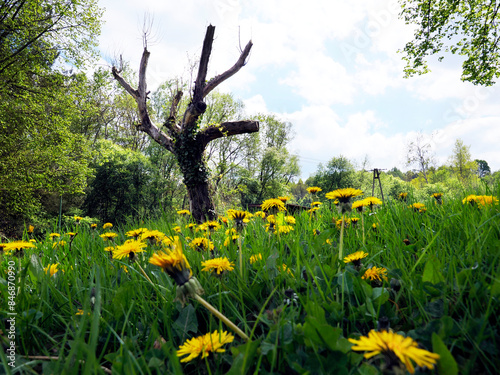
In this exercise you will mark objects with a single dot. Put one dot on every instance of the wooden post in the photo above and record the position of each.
(376, 176)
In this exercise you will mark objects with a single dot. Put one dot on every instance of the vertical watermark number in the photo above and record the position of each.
(11, 333)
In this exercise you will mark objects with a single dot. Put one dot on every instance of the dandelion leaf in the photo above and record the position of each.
(243, 356)
(432, 272)
(446, 365)
(186, 322)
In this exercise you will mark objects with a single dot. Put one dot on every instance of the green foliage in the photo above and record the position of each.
(119, 187)
(442, 291)
(337, 174)
(466, 28)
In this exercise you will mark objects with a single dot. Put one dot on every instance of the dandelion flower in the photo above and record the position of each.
(316, 204)
(418, 207)
(60, 243)
(290, 220)
(355, 258)
(135, 233)
(210, 225)
(403, 196)
(174, 263)
(54, 235)
(184, 213)
(202, 244)
(78, 219)
(391, 344)
(240, 218)
(107, 226)
(154, 236)
(313, 189)
(129, 248)
(284, 199)
(31, 228)
(284, 268)
(108, 236)
(17, 245)
(260, 214)
(273, 205)
(283, 229)
(93, 226)
(217, 264)
(255, 258)
(51, 269)
(343, 195)
(211, 342)
(375, 274)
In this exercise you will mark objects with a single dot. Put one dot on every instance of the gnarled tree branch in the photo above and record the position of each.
(140, 96)
(227, 129)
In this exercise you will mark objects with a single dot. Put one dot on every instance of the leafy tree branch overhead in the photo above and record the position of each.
(466, 28)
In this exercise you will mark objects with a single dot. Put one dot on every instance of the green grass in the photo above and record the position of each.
(443, 290)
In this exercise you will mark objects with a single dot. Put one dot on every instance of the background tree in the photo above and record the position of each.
(182, 135)
(337, 174)
(483, 168)
(461, 162)
(420, 155)
(466, 28)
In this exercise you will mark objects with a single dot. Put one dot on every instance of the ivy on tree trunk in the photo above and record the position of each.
(183, 137)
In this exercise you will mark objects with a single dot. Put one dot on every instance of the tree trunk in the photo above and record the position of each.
(183, 138)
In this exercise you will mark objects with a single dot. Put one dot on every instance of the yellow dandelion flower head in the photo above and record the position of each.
(51, 269)
(315, 204)
(231, 231)
(108, 236)
(201, 243)
(177, 229)
(290, 220)
(283, 229)
(312, 210)
(403, 195)
(60, 243)
(354, 220)
(173, 262)
(31, 228)
(136, 232)
(372, 201)
(72, 234)
(152, 235)
(469, 199)
(375, 273)
(417, 206)
(343, 195)
(210, 225)
(129, 248)
(338, 223)
(313, 189)
(437, 195)
(169, 241)
(78, 218)
(260, 214)
(184, 213)
(355, 257)
(486, 200)
(284, 199)
(232, 238)
(217, 264)
(390, 344)
(211, 342)
(110, 248)
(17, 245)
(271, 219)
(237, 215)
(54, 235)
(273, 204)
(284, 268)
(107, 226)
(223, 219)
(93, 225)
(255, 258)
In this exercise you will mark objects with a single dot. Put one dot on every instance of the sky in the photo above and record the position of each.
(330, 68)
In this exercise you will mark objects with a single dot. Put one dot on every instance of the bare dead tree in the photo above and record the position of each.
(182, 135)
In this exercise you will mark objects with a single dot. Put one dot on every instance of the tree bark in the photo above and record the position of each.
(182, 138)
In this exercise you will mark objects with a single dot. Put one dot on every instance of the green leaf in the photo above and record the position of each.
(243, 357)
(186, 322)
(446, 364)
(432, 272)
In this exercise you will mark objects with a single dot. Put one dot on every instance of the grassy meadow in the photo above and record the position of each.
(297, 285)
